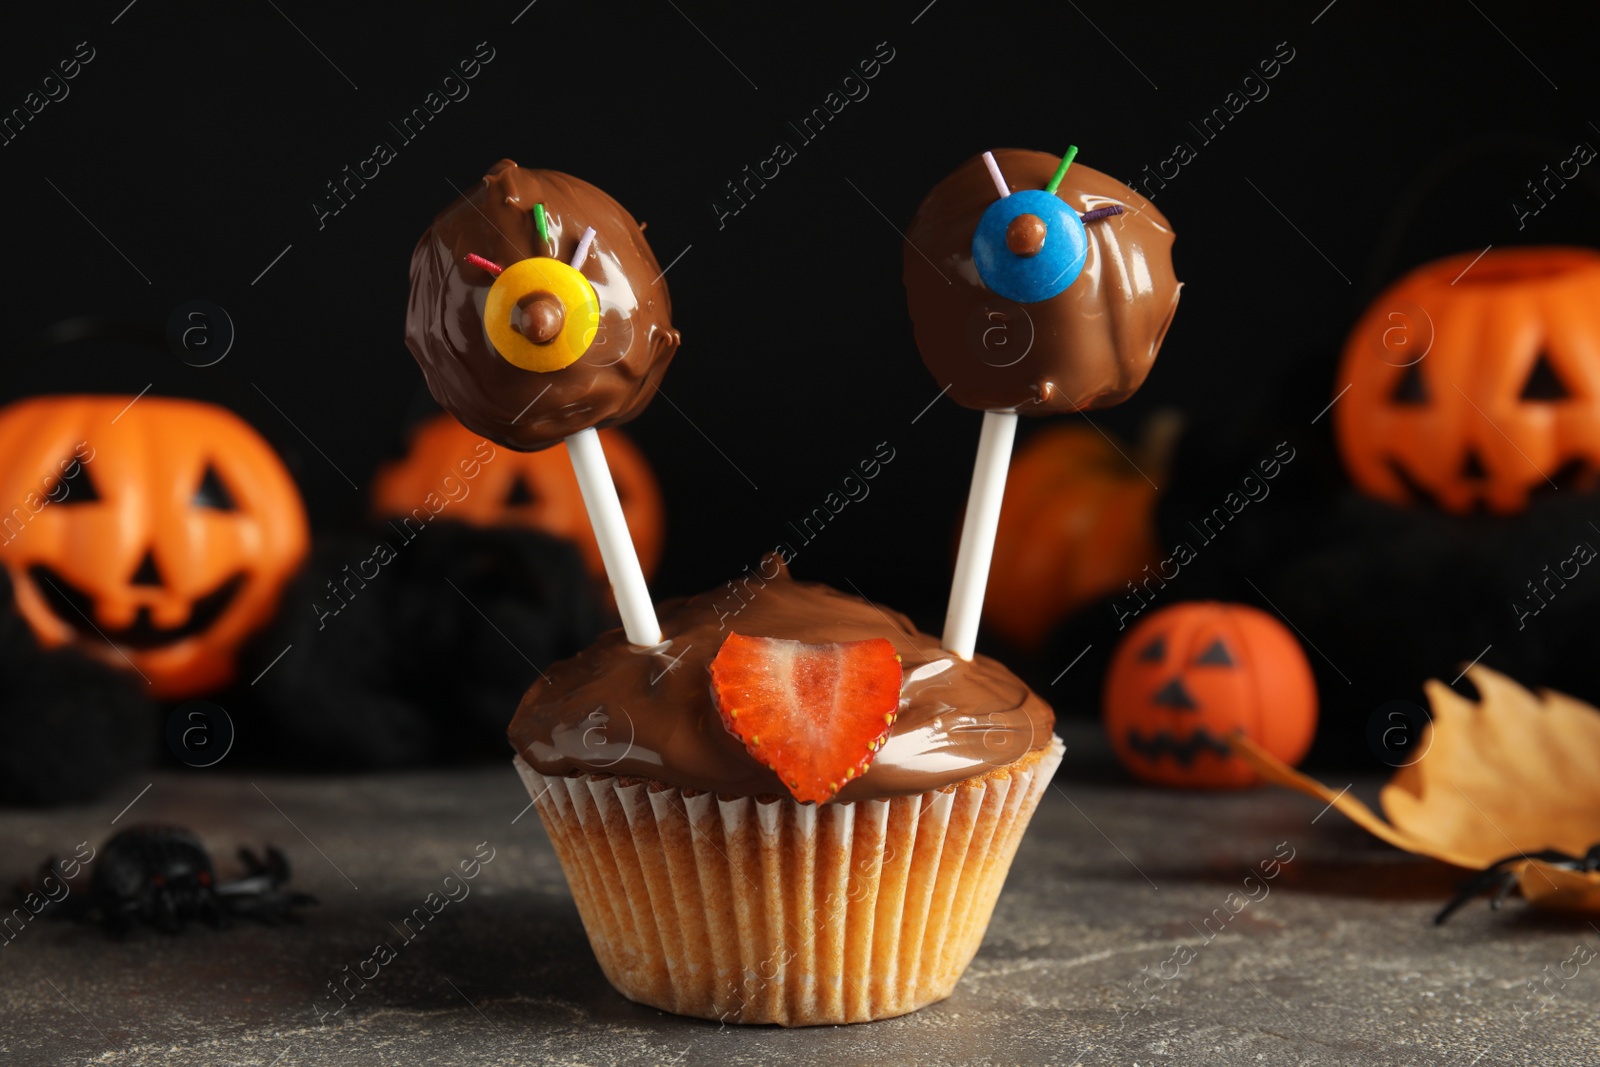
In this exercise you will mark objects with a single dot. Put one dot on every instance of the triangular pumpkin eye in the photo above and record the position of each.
(1544, 383)
(1410, 389)
(80, 488)
(521, 493)
(213, 493)
(1215, 655)
(1154, 652)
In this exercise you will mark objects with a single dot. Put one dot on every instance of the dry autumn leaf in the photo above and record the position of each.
(1512, 774)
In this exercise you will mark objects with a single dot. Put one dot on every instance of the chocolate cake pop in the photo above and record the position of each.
(1045, 301)
(520, 344)
(530, 349)
(1036, 288)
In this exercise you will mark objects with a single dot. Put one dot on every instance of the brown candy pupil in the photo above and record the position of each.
(539, 317)
(1025, 235)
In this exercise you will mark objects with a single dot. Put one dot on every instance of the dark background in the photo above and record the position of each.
(197, 139)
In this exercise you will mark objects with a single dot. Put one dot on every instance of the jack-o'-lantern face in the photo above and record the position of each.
(1474, 382)
(1192, 675)
(475, 482)
(153, 534)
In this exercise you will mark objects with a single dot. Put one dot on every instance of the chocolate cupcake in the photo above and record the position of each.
(731, 872)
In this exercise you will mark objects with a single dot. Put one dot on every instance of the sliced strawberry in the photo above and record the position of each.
(815, 714)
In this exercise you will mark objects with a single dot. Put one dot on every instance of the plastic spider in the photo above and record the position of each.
(1496, 876)
(162, 876)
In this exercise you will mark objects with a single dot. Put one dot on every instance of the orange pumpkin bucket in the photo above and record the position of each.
(154, 534)
(1473, 384)
(537, 490)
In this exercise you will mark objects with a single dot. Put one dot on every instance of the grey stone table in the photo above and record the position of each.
(1100, 951)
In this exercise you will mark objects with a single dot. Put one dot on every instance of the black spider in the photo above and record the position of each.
(1502, 881)
(162, 876)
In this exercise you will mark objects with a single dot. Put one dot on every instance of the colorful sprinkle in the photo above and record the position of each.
(483, 264)
(542, 223)
(583, 249)
(1061, 171)
(994, 172)
(1101, 213)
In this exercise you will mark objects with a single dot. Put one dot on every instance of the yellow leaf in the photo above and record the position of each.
(1513, 772)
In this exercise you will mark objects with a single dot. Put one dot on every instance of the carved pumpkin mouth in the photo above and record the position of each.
(75, 607)
(1576, 474)
(1182, 749)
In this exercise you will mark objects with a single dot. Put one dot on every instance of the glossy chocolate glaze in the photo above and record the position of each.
(521, 409)
(619, 709)
(1089, 347)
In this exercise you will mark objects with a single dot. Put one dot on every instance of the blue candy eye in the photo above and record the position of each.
(1029, 246)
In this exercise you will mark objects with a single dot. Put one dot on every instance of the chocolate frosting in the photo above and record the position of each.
(648, 712)
(522, 409)
(1090, 347)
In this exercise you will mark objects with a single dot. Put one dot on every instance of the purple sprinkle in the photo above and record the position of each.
(1101, 213)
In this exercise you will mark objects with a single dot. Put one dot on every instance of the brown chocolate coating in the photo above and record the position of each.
(618, 709)
(522, 409)
(1090, 347)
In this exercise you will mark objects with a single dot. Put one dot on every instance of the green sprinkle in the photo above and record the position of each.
(544, 227)
(1061, 171)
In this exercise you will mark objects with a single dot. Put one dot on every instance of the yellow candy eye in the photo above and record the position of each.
(541, 315)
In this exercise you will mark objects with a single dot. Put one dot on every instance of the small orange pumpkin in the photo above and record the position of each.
(537, 490)
(1077, 523)
(1472, 384)
(1190, 676)
(152, 533)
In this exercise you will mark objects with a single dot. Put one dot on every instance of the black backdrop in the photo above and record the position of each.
(188, 153)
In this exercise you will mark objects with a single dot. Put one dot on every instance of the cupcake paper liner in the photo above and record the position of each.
(764, 910)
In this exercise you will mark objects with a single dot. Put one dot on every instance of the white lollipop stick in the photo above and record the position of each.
(610, 525)
(611, 531)
(983, 508)
(977, 532)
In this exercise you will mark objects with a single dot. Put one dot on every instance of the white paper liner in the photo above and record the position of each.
(778, 912)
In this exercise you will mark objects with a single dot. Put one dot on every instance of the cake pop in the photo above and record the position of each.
(529, 349)
(518, 339)
(1035, 287)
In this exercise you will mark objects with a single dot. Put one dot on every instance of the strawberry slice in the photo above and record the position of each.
(815, 714)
